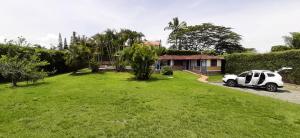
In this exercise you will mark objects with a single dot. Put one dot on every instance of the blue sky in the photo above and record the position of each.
(262, 23)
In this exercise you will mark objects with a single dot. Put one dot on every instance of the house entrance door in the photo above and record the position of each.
(187, 65)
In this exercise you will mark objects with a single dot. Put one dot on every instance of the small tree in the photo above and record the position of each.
(141, 58)
(94, 64)
(17, 69)
(77, 57)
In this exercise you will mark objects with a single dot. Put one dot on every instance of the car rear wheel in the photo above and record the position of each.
(271, 87)
(231, 83)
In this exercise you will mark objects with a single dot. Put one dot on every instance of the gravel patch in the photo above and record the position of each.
(289, 92)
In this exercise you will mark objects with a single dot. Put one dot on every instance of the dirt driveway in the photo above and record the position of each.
(289, 92)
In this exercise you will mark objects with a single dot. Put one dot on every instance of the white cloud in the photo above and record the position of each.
(262, 23)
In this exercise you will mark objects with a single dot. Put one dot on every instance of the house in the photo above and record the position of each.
(204, 64)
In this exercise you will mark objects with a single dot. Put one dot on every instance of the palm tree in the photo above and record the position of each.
(175, 26)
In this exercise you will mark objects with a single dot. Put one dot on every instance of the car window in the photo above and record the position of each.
(270, 74)
(243, 74)
(256, 74)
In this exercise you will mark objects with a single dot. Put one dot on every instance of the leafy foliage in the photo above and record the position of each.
(17, 69)
(237, 63)
(77, 57)
(94, 65)
(55, 58)
(141, 58)
(293, 41)
(278, 48)
(203, 37)
(166, 70)
(106, 45)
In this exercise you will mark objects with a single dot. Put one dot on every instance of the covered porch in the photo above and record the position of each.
(203, 64)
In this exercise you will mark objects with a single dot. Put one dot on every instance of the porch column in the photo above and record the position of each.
(172, 63)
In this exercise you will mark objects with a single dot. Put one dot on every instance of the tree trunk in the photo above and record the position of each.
(14, 83)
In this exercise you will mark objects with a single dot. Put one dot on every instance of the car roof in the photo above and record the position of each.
(260, 71)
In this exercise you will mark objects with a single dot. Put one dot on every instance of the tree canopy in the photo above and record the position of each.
(203, 37)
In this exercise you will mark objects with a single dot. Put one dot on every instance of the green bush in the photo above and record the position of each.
(166, 70)
(94, 65)
(280, 48)
(141, 58)
(237, 63)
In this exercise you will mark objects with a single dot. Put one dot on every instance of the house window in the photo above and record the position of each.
(198, 63)
(213, 63)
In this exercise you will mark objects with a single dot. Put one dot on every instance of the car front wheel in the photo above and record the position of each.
(231, 83)
(271, 87)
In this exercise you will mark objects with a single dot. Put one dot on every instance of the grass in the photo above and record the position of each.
(215, 78)
(114, 105)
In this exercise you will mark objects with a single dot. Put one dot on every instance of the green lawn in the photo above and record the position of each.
(215, 78)
(113, 104)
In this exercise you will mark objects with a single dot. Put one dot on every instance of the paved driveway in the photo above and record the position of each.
(289, 92)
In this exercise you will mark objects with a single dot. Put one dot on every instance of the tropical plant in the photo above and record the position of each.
(94, 64)
(141, 58)
(175, 26)
(106, 45)
(77, 57)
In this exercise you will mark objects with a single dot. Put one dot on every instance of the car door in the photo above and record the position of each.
(255, 79)
(241, 79)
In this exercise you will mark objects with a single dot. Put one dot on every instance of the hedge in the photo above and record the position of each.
(237, 63)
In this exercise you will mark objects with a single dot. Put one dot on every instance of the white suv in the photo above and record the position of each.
(256, 78)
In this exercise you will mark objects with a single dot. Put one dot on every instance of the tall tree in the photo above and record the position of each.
(65, 43)
(74, 38)
(175, 25)
(294, 40)
(60, 42)
(207, 36)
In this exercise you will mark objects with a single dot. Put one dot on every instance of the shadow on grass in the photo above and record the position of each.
(152, 79)
(25, 85)
(80, 73)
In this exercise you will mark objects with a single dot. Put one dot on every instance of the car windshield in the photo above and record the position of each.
(244, 74)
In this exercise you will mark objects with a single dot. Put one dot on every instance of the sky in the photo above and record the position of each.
(262, 23)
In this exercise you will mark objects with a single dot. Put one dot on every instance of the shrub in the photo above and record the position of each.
(166, 70)
(77, 57)
(280, 48)
(237, 63)
(141, 58)
(94, 65)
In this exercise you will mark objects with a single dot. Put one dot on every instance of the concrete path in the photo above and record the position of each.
(289, 92)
